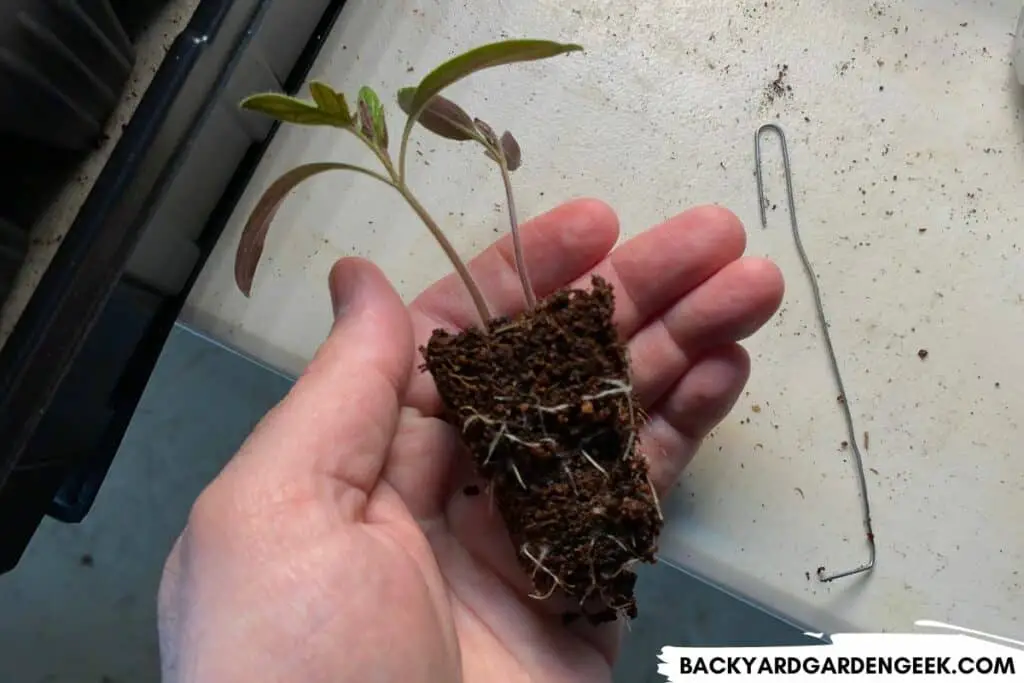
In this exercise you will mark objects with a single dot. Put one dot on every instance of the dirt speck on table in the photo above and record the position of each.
(778, 88)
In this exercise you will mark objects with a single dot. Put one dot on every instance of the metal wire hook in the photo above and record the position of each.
(845, 404)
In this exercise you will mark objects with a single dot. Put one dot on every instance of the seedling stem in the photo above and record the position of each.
(422, 104)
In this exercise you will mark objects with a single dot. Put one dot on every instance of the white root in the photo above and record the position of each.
(543, 427)
(626, 389)
(545, 596)
(553, 409)
(494, 443)
(626, 566)
(593, 572)
(618, 542)
(572, 482)
(629, 444)
(538, 564)
(618, 388)
(506, 328)
(654, 494)
(529, 444)
(619, 608)
(474, 417)
(515, 470)
(594, 463)
(502, 433)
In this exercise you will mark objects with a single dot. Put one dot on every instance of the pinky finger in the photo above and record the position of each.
(691, 409)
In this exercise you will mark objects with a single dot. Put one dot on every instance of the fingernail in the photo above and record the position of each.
(339, 288)
(348, 286)
(336, 306)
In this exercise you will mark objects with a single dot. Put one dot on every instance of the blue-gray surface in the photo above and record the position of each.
(80, 608)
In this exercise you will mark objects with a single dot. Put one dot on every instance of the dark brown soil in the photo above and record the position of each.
(778, 88)
(545, 405)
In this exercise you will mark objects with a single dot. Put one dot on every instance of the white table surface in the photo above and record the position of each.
(906, 131)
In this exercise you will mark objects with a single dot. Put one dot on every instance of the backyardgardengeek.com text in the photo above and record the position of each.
(842, 665)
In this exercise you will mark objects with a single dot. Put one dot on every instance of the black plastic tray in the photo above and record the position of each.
(73, 370)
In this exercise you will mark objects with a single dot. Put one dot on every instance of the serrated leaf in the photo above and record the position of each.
(291, 110)
(441, 116)
(513, 154)
(254, 234)
(480, 58)
(371, 117)
(330, 101)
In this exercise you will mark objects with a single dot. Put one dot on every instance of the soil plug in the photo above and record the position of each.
(543, 399)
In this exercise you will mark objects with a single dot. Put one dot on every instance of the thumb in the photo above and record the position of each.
(340, 417)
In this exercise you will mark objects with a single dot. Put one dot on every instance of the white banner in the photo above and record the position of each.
(961, 654)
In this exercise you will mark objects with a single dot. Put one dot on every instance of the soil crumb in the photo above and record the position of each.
(545, 405)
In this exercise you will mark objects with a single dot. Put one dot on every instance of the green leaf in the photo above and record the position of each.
(441, 116)
(483, 57)
(291, 110)
(371, 117)
(330, 101)
(254, 234)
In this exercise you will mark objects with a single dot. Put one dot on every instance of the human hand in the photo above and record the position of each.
(337, 545)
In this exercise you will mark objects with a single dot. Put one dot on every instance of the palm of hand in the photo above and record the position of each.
(302, 566)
